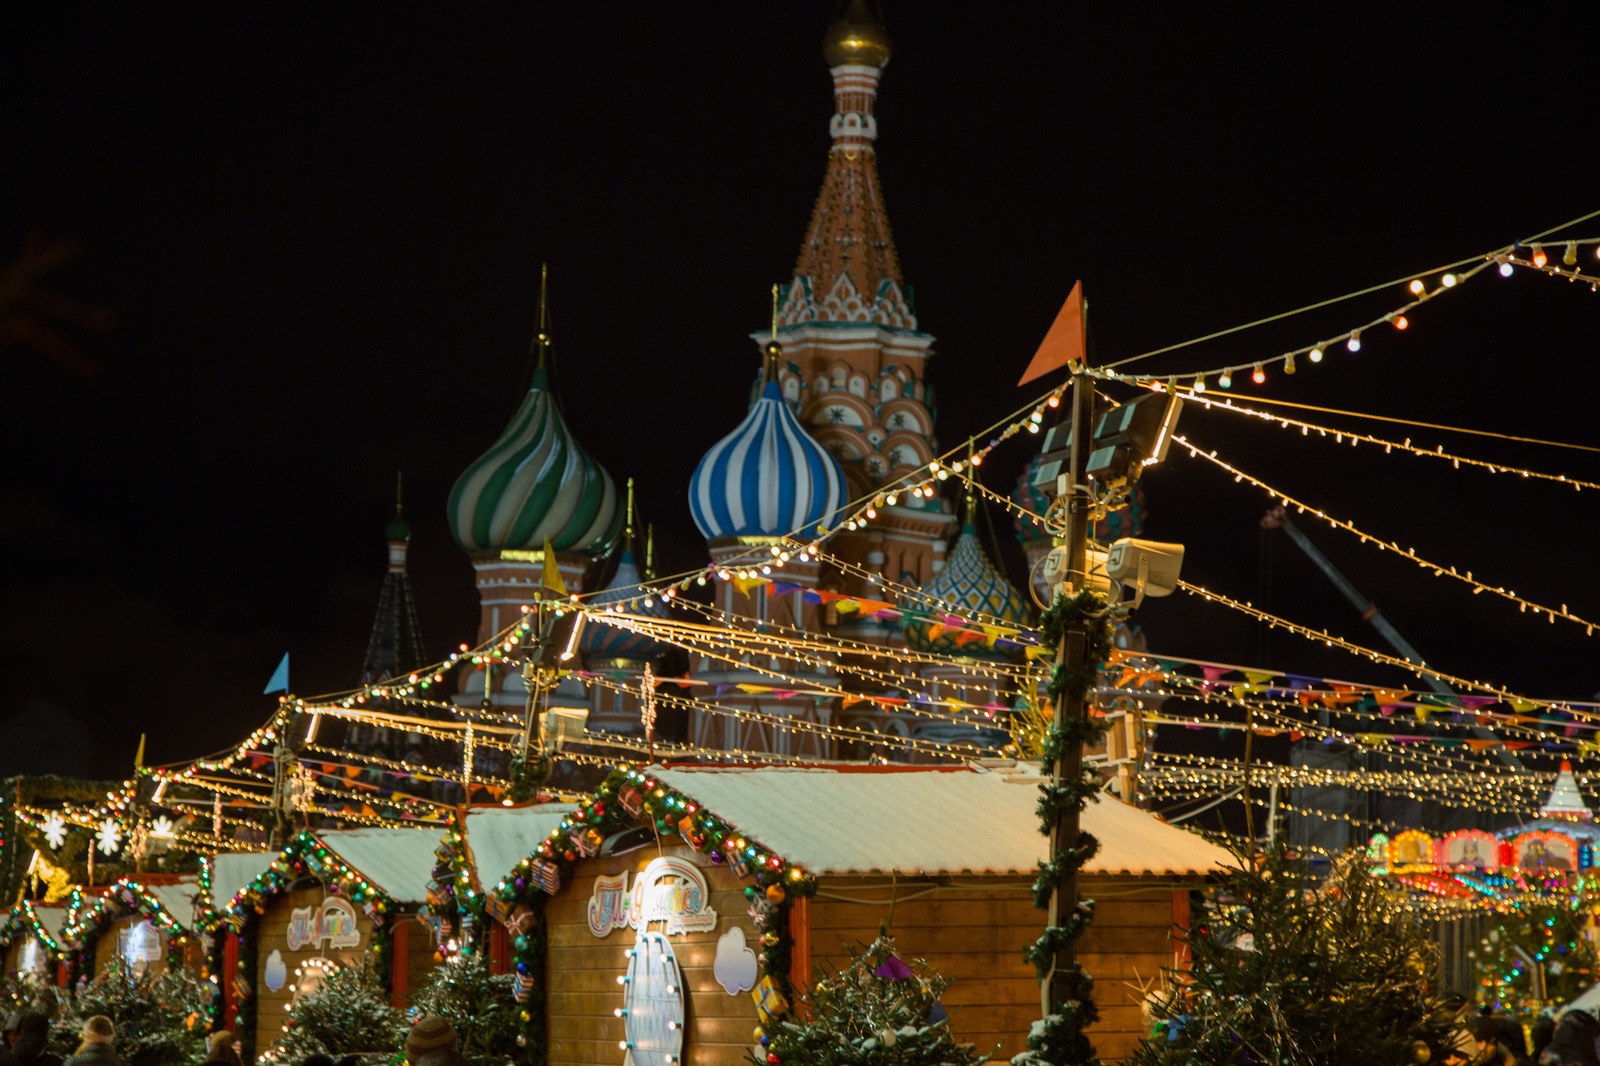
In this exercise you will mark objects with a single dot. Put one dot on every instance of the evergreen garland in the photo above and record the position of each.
(1058, 1039)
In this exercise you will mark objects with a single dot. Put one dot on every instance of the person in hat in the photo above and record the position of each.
(31, 1041)
(432, 1042)
(13, 1022)
(220, 1050)
(99, 1036)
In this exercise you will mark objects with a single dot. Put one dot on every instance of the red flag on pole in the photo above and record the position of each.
(1064, 343)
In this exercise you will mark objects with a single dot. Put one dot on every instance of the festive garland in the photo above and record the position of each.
(454, 908)
(121, 899)
(626, 795)
(1058, 1039)
(23, 921)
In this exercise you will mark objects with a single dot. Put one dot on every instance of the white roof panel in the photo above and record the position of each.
(928, 821)
(501, 837)
(232, 870)
(398, 861)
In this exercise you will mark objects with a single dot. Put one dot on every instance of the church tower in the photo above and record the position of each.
(855, 359)
(395, 647)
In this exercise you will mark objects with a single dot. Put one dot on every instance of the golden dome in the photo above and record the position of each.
(856, 38)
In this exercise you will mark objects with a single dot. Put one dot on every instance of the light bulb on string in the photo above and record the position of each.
(1354, 343)
(1539, 257)
(1288, 363)
(1417, 287)
(1225, 379)
(1505, 268)
(1316, 354)
(1570, 255)
(1448, 281)
(1401, 322)
(1200, 383)
(1258, 375)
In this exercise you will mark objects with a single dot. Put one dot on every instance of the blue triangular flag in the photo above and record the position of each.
(280, 678)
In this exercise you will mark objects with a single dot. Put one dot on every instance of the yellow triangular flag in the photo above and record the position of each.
(552, 573)
(138, 758)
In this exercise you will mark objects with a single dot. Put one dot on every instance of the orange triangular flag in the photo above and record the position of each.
(1064, 343)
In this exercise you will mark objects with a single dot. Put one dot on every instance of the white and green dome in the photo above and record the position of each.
(535, 482)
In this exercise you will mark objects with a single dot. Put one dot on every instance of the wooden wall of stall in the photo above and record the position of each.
(273, 935)
(581, 970)
(973, 930)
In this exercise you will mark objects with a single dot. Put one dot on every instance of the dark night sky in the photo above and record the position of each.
(318, 231)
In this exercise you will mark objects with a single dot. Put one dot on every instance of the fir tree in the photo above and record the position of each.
(160, 1021)
(347, 1014)
(1540, 948)
(477, 1004)
(877, 1011)
(1293, 969)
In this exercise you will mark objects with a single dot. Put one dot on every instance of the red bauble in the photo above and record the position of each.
(772, 1057)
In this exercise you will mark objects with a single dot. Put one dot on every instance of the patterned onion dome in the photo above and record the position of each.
(971, 586)
(600, 641)
(767, 478)
(535, 482)
(1125, 521)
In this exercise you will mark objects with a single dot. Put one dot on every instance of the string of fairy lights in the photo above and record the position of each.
(840, 669)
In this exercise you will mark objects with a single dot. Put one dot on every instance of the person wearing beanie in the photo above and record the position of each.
(33, 1035)
(220, 1050)
(99, 1036)
(432, 1042)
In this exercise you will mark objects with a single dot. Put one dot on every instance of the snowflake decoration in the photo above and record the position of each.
(162, 828)
(110, 836)
(55, 831)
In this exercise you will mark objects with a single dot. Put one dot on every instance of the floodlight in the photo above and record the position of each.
(1148, 567)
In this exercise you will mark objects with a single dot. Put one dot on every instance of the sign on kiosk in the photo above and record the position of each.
(667, 890)
(333, 925)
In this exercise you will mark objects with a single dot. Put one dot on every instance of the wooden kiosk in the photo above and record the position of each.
(329, 899)
(31, 940)
(685, 905)
(148, 922)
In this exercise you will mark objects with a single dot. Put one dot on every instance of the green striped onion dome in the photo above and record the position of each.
(969, 586)
(536, 481)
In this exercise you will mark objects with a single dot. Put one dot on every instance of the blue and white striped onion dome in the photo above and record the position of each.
(601, 641)
(767, 478)
(536, 481)
(969, 586)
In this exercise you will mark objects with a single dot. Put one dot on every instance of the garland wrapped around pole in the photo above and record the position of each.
(1079, 627)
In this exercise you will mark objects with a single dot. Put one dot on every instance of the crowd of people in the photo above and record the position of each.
(1565, 1038)
(430, 1042)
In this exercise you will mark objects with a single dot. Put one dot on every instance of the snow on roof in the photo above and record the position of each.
(398, 861)
(51, 915)
(232, 870)
(501, 837)
(928, 821)
(178, 899)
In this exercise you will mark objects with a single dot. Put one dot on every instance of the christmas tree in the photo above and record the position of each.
(161, 1021)
(348, 1013)
(477, 1004)
(1296, 969)
(877, 1011)
(1538, 954)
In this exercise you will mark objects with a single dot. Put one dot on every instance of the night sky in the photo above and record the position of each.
(308, 245)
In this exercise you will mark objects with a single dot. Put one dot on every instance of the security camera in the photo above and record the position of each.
(1058, 581)
(1148, 567)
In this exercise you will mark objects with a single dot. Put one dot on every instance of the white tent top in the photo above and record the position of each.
(501, 837)
(1565, 800)
(972, 820)
(177, 899)
(398, 861)
(231, 871)
(51, 915)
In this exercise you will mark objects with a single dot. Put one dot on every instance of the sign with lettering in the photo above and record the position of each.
(331, 925)
(652, 1003)
(668, 890)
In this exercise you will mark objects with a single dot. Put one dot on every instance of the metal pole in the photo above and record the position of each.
(1062, 984)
